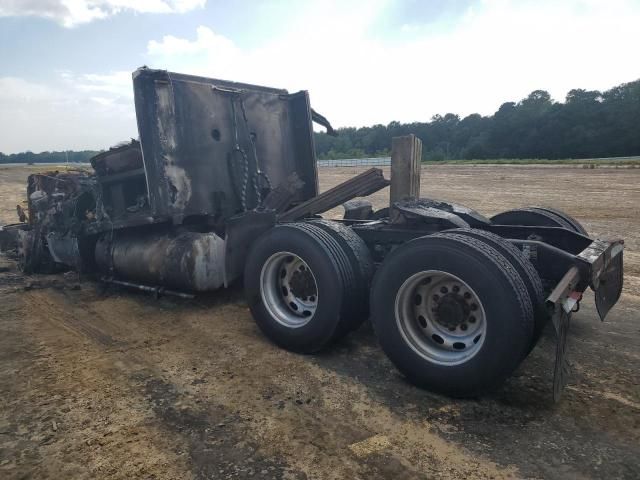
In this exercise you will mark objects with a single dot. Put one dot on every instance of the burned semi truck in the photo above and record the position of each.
(222, 184)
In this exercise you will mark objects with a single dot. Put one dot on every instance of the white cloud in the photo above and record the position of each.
(70, 13)
(76, 112)
(118, 84)
(498, 51)
(206, 41)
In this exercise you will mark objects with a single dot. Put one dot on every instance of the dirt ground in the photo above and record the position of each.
(112, 384)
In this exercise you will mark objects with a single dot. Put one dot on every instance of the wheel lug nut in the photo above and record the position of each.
(463, 327)
(472, 319)
(467, 295)
(444, 289)
(474, 307)
(456, 288)
(426, 280)
(436, 298)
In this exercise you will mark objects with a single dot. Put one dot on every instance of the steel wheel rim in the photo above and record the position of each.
(289, 289)
(440, 317)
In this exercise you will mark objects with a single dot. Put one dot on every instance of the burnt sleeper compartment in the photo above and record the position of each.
(241, 140)
(120, 172)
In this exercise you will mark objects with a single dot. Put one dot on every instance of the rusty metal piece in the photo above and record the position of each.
(157, 291)
(22, 216)
(359, 186)
(562, 294)
(322, 120)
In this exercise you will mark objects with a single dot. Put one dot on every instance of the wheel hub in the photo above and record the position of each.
(441, 317)
(451, 311)
(302, 283)
(289, 289)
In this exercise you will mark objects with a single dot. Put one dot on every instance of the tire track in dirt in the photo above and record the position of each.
(213, 451)
(297, 410)
(67, 315)
(304, 411)
(258, 399)
(68, 413)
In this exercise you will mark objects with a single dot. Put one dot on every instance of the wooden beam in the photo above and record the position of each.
(359, 186)
(406, 154)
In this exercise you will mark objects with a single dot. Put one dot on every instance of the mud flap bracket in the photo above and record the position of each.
(561, 302)
(561, 368)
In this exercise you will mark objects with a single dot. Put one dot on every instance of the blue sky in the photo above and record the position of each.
(65, 65)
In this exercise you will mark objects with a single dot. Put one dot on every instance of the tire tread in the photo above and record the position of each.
(348, 308)
(361, 263)
(525, 268)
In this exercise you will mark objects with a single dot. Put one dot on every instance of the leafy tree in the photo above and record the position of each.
(588, 124)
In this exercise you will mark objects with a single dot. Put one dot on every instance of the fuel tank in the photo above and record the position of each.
(190, 261)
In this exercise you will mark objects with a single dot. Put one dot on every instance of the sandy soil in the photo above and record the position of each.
(111, 384)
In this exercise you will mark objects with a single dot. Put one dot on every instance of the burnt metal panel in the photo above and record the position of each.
(196, 135)
(64, 249)
(415, 213)
(438, 211)
(9, 235)
(121, 158)
(241, 231)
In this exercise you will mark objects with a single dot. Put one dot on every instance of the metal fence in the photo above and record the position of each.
(356, 162)
(386, 161)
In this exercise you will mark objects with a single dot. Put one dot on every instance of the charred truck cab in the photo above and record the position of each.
(223, 184)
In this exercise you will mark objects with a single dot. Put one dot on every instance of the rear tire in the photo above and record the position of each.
(575, 224)
(539, 217)
(361, 264)
(525, 269)
(299, 284)
(423, 294)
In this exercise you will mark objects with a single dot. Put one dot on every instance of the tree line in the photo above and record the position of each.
(588, 124)
(48, 157)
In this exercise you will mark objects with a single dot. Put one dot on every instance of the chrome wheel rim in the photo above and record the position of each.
(289, 289)
(440, 317)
